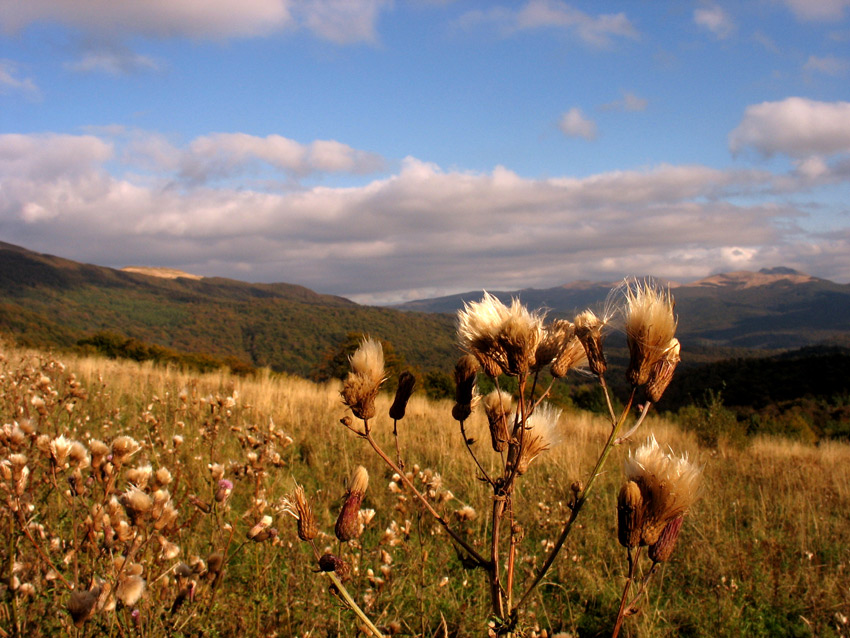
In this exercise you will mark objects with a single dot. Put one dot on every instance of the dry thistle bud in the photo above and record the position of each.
(669, 485)
(541, 434)
(588, 329)
(81, 605)
(297, 505)
(496, 334)
(60, 448)
(629, 515)
(650, 327)
(215, 562)
(331, 563)
(124, 447)
(259, 532)
(556, 336)
(497, 407)
(662, 372)
(361, 387)
(137, 503)
(348, 522)
(466, 370)
(130, 590)
(662, 549)
(224, 489)
(406, 384)
(573, 355)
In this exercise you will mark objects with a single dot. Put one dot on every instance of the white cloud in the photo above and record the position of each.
(797, 127)
(422, 228)
(112, 60)
(598, 31)
(828, 65)
(11, 81)
(573, 123)
(207, 19)
(339, 21)
(342, 21)
(825, 10)
(715, 19)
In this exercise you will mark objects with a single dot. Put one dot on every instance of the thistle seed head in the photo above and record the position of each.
(588, 329)
(662, 372)
(668, 484)
(663, 548)
(497, 407)
(466, 371)
(348, 522)
(650, 325)
(361, 387)
(297, 505)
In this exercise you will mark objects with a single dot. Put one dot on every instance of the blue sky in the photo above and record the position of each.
(387, 151)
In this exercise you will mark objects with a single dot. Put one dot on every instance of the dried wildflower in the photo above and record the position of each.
(588, 328)
(297, 505)
(130, 590)
(169, 550)
(572, 355)
(503, 339)
(662, 372)
(223, 491)
(466, 514)
(629, 514)
(260, 531)
(466, 370)
(556, 337)
(78, 455)
(361, 387)
(541, 434)
(668, 486)
(348, 522)
(60, 447)
(662, 549)
(650, 326)
(215, 562)
(139, 476)
(124, 447)
(137, 503)
(497, 407)
(406, 384)
(163, 477)
(98, 450)
(331, 563)
(81, 605)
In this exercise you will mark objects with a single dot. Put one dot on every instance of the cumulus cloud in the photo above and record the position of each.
(599, 31)
(421, 228)
(715, 19)
(573, 123)
(797, 127)
(822, 10)
(342, 21)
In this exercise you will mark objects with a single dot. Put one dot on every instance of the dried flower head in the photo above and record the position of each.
(588, 329)
(556, 336)
(662, 549)
(540, 435)
(504, 339)
(668, 486)
(223, 491)
(650, 325)
(572, 355)
(81, 605)
(662, 372)
(497, 407)
(130, 590)
(124, 447)
(297, 505)
(348, 522)
(466, 371)
(60, 447)
(361, 387)
(406, 385)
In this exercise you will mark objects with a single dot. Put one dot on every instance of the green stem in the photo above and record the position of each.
(342, 591)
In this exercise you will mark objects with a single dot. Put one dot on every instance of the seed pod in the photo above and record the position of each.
(348, 523)
(497, 406)
(81, 605)
(663, 548)
(331, 563)
(629, 515)
(406, 384)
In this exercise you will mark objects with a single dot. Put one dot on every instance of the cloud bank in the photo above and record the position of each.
(418, 230)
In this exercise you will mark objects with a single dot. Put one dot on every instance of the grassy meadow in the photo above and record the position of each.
(765, 551)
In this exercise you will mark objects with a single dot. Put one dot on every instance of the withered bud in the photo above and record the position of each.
(363, 383)
(662, 549)
(556, 336)
(629, 515)
(215, 561)
(662, 372)
(201, 505)
(81, 605)
(465, 373)
(331, 563)
(406, 384)
(588, 329)
(348, 522)
(572, 356)
(261, 531)
(223, 491)
(497, 407)
(298, 506)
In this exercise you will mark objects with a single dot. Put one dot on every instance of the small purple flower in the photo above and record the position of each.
(225, 487)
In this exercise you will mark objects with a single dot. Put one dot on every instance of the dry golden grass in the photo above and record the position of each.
(765, 552)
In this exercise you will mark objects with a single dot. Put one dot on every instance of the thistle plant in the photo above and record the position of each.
(509, 341)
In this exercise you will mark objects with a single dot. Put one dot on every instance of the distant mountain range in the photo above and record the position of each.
(775, 309)
(51, 301)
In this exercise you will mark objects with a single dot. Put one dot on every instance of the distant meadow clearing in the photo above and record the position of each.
(147, 501)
